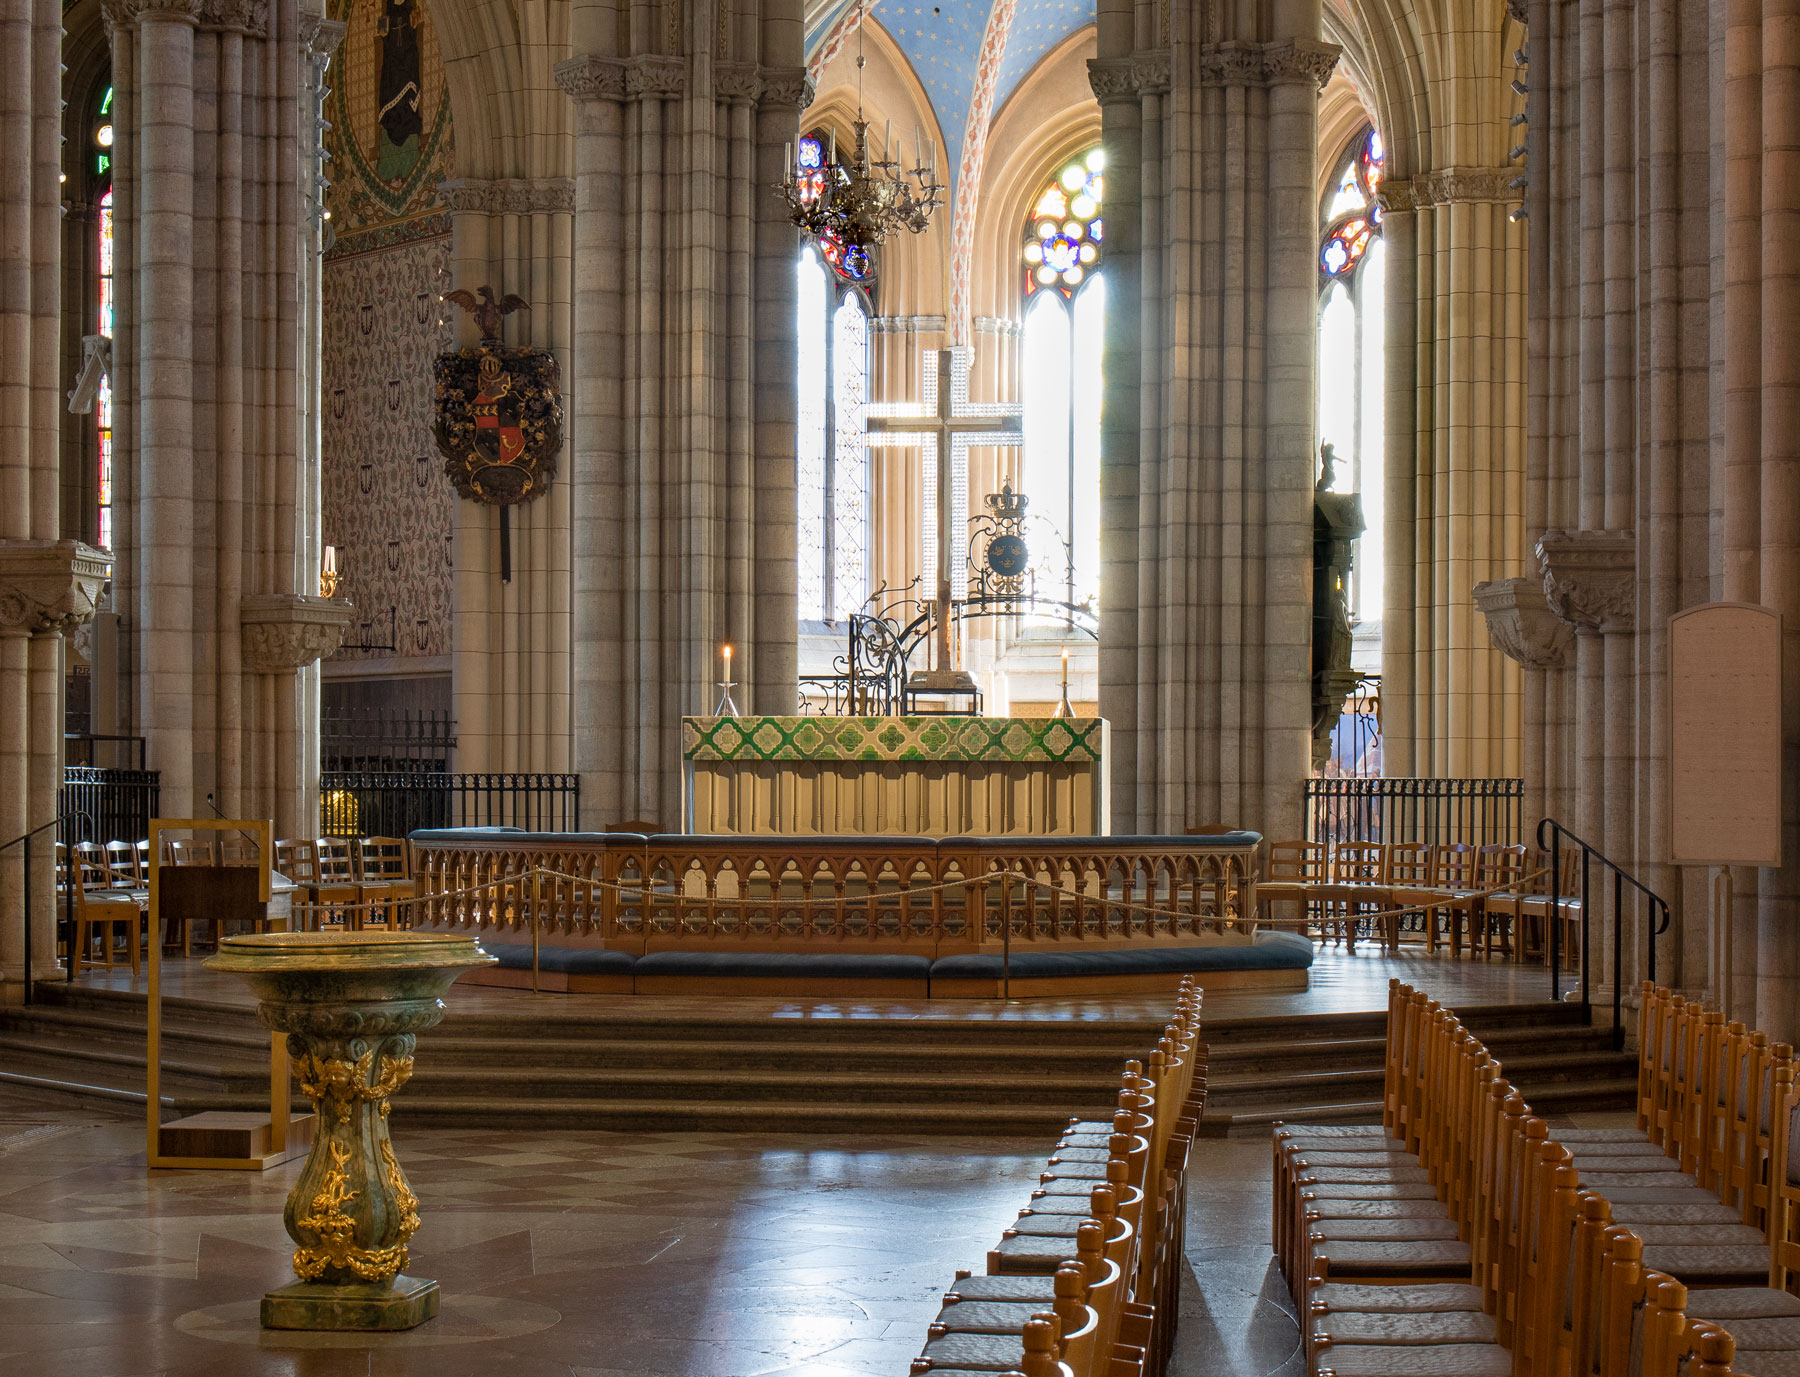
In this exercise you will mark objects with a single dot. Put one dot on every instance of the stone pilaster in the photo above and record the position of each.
(1207, 432)
(216, 369)
(1451, 704)
(510, 686)
(682, 484)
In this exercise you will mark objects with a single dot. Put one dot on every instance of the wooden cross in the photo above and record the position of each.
(946, 426)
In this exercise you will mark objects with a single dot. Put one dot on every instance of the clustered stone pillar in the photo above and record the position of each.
(217, 507)
(47, 586)
(1663, 211)
(511, 687)
(1211, 131)
(682, 398)
(1452, 704)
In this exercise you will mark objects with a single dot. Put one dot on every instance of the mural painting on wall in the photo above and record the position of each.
(390, 116)
(387, 508)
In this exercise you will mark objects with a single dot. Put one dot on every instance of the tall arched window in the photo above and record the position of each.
(1352, 269)
(833, 471)
(103, 323)
(1065, 316)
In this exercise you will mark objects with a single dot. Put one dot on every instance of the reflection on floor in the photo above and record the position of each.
(591, 1254)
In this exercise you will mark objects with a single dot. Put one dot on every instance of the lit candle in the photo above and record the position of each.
(726, 653)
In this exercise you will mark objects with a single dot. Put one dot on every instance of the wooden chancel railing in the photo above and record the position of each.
(874, 894)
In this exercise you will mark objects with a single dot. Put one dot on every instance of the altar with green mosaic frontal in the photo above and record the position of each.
(895, 776)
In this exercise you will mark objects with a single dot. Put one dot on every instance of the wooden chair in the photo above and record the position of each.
(336, 861)
(97, 912)
(1358, 881)
(1497, 866)
(1295, 870)
(122, 862)
(384, 870)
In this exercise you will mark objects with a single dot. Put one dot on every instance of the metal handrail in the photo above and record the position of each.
(68, 892)
(1555, 832)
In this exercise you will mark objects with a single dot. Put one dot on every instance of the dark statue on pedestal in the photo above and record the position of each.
(1337, 522)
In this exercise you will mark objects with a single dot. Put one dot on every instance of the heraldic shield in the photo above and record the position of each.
(499, 422)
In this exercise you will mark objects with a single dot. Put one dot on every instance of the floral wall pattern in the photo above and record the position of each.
(387, 507)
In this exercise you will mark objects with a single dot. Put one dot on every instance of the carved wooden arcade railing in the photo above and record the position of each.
(873, 894)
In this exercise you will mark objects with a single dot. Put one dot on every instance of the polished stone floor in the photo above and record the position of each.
(580, 1254)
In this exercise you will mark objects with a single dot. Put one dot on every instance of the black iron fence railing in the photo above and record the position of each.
(104, 805)
(394, 803)
(385, 740)
(1598, 880)
(1476, 811)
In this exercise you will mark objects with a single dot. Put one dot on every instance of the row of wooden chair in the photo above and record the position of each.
(350, 882)
(1462, 1236)
(1085, 1282)
(1500, 897)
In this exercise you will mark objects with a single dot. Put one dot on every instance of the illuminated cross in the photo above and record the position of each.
(945, 427)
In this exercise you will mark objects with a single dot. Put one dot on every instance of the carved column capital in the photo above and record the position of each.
(1129, 79)
(284, 632)
(320, 36)
(509, 195)
(738, 82)
(49, 585)
(1458, 185)
(1521, 624)
(787, 88)
(236, 16)
(591, 78)
(1303, 62)
(1519, 10)
(1590, 578)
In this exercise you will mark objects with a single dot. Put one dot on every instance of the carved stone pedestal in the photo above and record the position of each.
(351, 1005)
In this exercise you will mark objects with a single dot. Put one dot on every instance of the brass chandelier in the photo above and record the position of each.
(860, 203)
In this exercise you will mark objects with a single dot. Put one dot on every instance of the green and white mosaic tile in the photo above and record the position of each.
(1055, 740)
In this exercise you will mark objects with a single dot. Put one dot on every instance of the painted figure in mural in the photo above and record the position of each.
(402, 126)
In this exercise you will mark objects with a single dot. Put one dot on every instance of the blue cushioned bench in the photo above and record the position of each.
(972, 975)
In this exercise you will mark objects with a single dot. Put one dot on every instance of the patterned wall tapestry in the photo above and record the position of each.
(388, 508)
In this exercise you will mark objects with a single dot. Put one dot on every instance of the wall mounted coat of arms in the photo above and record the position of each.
(499, 410)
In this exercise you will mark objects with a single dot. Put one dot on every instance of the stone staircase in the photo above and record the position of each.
(636, 1070)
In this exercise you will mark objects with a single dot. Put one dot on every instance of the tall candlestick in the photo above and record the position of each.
(1064, 708)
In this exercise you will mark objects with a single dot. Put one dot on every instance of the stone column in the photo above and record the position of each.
(1452, 705)
(683, 460)
(216, 345)
(1207, 447)
(510, 686)
(47, 587)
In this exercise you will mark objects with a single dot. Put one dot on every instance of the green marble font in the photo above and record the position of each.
(351, 1005)
(1021, 740)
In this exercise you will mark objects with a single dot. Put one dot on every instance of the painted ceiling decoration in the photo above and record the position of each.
(943, 42)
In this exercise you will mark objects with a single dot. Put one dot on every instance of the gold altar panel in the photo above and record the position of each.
(912, 798)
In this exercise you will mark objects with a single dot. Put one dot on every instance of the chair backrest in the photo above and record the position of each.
(1500, 864)
(1784, 1182)
(90, 863)
(191, 853)
(383, 858)
(1454, 866)
(1363, 863)
(1409, 863)
(122, 860)
(336, 859)
(1297, 861)
(298, 859)
(238, 851)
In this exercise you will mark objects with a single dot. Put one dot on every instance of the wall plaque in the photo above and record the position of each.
(1725, 735)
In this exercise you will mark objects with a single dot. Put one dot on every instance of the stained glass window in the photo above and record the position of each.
(1065, 317)
(1352, 325)
(832, 474)
(103, 143)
